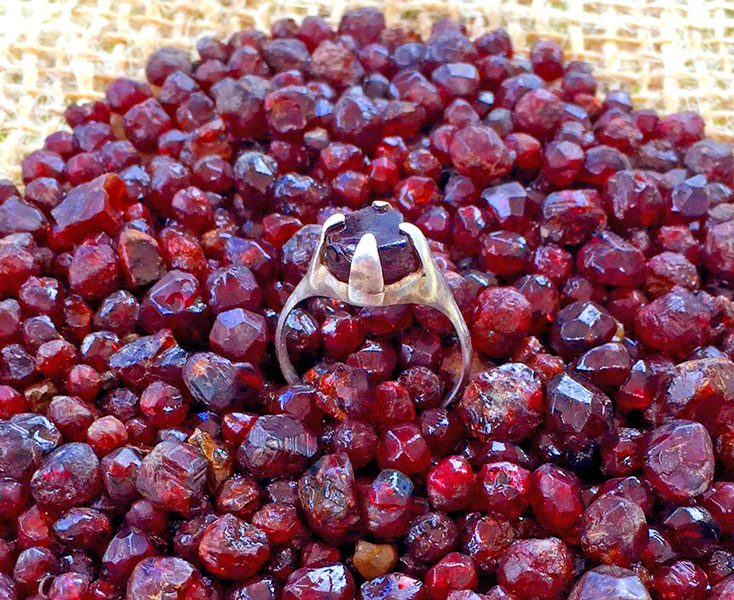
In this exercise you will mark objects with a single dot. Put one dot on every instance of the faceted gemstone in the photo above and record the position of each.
(341, 333)
(239, 495)
(611, 583)
(124, 552)
(402, 447)
(623, 456)
(719, 501)
(216, 382)
(239, 334)
(32, 566)
(431, 537)
(614, 530)
(607, 365)
(175, 303)
(505, 403)
(69, 476)
(578, 410)
(535, 568)
(679, 461)
(172, 476)
(378, 359)
(276, 446)
(561, 162)
(699, 390)
(89, 208)
(667, 270)
(397, 256)
(479, 153)
(119, 473)
(633, 199)
(233, 549)
(328, 499)
(328, 582)
(718, 250)
(570, 217)
(135, 362)
(504, 253)
(581, 326)
(163, 405)
(538, 112)
(18, 216)
(608, 259)
(44, 434)
(692, 531)
(485, 539)
(357, 440)
(167, 577)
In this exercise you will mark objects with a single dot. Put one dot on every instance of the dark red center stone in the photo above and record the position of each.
(397, 255)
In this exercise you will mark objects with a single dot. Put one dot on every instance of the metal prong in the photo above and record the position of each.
(381, 205)
(365, 275)
(333, 221)
(420, 244)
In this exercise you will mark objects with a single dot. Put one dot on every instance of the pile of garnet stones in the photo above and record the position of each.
(149, 449)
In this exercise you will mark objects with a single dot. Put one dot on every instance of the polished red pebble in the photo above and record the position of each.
(149, 445)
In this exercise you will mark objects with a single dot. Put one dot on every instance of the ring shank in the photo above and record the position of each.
(444, 302)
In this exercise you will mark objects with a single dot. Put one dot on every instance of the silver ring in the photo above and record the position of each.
(351, 265)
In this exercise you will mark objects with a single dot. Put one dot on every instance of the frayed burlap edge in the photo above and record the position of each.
(670, 54)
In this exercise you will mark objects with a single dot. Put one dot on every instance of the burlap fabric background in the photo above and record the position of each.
(671, 54)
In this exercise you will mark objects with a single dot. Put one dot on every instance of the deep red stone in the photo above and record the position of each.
(397, 255)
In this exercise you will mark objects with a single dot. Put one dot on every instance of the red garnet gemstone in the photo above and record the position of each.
(149, 445)
(170, 577)
(233, 549)
(505, 402)
(328, 582)
(679, 460)
(328, 499)
(397, 255)
(536, 568)
(609, 581)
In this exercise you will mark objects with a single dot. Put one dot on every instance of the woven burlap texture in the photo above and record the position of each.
(670, 54)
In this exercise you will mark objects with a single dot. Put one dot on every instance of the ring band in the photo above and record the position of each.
(368, 284)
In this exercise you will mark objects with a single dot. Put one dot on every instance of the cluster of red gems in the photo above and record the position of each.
(148, 448)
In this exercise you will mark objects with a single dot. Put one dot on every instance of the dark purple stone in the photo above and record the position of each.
(397, 254)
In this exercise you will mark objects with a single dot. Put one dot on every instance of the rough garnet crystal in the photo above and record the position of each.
(397, 255)
(535, 568)
(149, 446)
(328, 582)
(69, 476)
(609, 582)
(167, 577)
(679, 460)
(233, 549)
(505, 403)
(328, 498)
(173, 476)
(277, 445)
